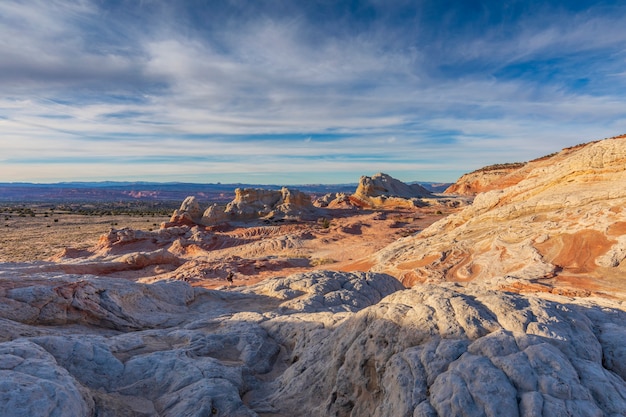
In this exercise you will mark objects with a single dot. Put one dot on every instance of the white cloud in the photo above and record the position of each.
(83, 81)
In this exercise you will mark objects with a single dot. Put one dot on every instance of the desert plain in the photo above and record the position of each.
(39, 237)
(503, 295)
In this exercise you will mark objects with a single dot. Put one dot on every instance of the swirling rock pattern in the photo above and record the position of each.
(564, 218)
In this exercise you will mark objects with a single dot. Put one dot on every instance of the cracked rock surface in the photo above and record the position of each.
(318, 344)
(463, 351)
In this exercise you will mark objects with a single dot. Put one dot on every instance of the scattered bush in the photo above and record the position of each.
(508, 165)
(324, 222)
(322, 261)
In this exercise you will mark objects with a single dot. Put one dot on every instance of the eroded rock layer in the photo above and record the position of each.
(487, 179)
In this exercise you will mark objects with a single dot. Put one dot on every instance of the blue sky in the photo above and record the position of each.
(293, 92)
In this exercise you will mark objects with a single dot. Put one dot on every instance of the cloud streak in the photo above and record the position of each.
(311, 92)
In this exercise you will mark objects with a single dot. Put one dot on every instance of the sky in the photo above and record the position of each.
(301, 91)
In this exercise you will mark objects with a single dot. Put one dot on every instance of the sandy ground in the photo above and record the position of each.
(344, 245)
(256, 251)
(253, 251)
(24, 239)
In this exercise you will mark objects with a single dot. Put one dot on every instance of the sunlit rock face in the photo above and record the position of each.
(383, 191)
(486, 179)
(454, 351)
(564, 219)
(189, 212)
(317, 344)
(500, 176)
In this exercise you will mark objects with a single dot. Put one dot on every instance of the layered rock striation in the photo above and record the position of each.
(485, 179)
(565, 219)
(500, 176)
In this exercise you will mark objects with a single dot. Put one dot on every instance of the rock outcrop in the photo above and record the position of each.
(335, 200)
(175, 350)
(248, 204)
(315, 344)
(486, 179)
(33, 384)
(204, 255)
(189, 212)
(501, 176)
(383, 191)
(52, 299)
(566, 218)
(437, 351)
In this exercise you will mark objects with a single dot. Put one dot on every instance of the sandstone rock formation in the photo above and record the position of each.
(384, 191)
(248, 204)
(189, 212)
(174, 350)
(565, 218)
(453, 351)
(517, 307)
(485, 179)
(205, 255)
(316, 344)
(500, 176)
(334, 200)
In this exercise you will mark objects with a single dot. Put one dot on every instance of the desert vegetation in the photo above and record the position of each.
(495, 167)
(37, 231)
